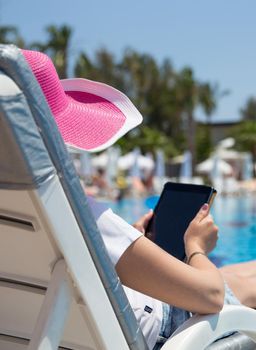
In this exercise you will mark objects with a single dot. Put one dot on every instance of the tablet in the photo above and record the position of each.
(177, 206)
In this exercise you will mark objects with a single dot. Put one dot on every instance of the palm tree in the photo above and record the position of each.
(104, 68)
(245, 132)
(245, 136)
(248, 112)
(148, 140)
(164, 112)
(10, 35)
(57, 47)
(84, 68)
(166, 99)
(140, 78)
(191, 94)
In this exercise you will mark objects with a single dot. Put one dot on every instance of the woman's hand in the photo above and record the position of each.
(197, 287)
(202, 233)
(142, 223)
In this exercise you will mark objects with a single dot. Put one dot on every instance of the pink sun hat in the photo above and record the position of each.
(90, 115)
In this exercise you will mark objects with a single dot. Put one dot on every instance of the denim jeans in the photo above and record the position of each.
(173, 317)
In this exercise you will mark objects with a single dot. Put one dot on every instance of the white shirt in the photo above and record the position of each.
(117, 235)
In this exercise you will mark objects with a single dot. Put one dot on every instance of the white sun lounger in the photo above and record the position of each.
(58, 287)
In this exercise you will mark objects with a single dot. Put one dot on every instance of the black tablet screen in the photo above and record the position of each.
(177, 206)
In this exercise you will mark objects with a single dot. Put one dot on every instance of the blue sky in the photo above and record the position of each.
(215, 38)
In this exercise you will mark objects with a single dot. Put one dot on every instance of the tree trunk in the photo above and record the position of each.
(191, 133)
(254, 160)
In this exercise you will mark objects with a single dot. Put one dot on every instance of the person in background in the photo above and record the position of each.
(162, 290)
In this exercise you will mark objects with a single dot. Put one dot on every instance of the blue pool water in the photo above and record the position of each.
(235, 216)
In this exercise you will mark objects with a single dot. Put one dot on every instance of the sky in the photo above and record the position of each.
(215, 38)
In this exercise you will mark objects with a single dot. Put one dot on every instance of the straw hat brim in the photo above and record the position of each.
(96, 116)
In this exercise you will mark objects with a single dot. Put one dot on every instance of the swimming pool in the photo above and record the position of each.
(235, 216)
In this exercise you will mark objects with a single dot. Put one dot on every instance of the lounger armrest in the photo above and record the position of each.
(200, 331)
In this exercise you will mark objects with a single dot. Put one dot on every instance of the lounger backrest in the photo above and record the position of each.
(44, 217)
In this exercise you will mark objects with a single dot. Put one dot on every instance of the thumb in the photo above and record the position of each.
(203, 212)
(148, 215)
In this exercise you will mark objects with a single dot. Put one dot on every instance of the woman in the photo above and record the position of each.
(92, 116)
(157, 280)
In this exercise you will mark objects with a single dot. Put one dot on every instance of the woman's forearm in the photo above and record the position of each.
(206, 270)
(147, 268)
